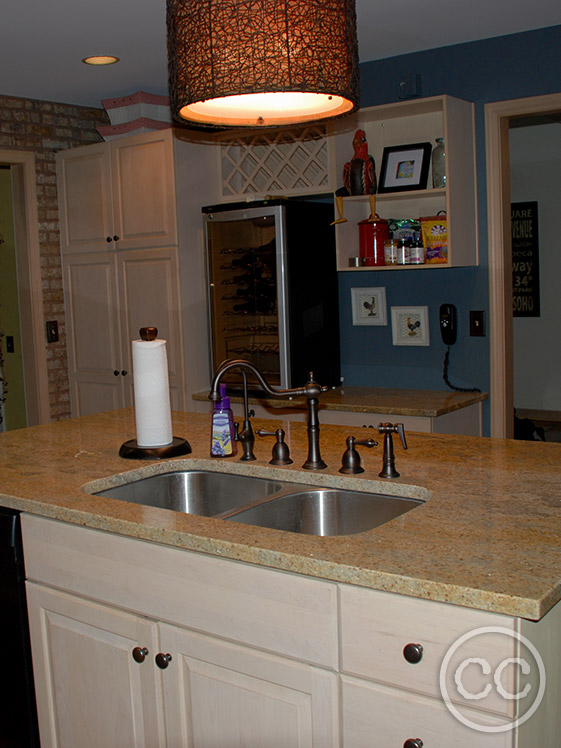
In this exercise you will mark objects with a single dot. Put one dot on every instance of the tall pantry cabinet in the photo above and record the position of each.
(132, 257)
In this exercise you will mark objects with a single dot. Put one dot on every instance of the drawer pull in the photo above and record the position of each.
(139, 654)
(163, 660)
(413, 743)
(413, 653)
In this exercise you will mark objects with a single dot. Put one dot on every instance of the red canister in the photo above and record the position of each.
(372, 235)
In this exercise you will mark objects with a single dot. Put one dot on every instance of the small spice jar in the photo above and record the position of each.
(390, 252)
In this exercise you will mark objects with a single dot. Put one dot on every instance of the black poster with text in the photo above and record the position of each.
(525, 260)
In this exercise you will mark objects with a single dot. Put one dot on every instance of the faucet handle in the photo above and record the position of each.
(351, 458)
(281, 452)
(390, 428)
(388, 464)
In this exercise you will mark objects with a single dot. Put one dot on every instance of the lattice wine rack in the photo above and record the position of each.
(277, 162)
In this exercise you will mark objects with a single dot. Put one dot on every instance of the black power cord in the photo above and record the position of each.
(445, 376)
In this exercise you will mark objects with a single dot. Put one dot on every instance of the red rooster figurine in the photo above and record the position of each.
(359, 176)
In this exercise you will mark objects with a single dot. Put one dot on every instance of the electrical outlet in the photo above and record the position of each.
(52, 332)
(477, 324)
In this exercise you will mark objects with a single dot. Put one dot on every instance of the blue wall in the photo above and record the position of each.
(502, 68)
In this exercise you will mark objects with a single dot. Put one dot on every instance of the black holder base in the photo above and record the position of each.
(131, 450)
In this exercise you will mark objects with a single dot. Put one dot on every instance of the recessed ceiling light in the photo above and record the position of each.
(100, 60)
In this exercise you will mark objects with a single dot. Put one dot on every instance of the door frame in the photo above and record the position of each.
(26, 226)
(497, 116)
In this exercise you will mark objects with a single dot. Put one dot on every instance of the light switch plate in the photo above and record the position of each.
(477, 324)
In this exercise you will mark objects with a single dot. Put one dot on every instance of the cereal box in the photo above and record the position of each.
(435, 238)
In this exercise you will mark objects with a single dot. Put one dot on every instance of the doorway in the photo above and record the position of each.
(497, 119)
(26, 234)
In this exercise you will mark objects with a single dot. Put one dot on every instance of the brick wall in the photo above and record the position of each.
(45, 128)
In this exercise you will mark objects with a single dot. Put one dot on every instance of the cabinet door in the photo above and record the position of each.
(95, 364)
(144, 191)
(91, 692)
(150, 297)
(223, 695)
(85, 198)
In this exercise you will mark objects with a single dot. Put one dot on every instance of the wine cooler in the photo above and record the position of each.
(272, 289)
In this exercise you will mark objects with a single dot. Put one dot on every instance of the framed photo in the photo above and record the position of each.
(410, 325)
(369, 306)
(405, 167)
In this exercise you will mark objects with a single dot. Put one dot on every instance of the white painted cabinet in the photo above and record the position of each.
(91, 692)
(118, 194)
(249, 668)
(109, 297)
(255, 657)
(131, 239)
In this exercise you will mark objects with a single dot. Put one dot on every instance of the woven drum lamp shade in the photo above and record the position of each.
(262, 62)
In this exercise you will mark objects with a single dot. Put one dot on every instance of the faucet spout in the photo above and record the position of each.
(311, 391)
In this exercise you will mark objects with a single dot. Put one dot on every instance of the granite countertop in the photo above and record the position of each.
(390, 400)
(488, 536)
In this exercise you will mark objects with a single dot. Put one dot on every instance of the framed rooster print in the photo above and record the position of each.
(369, 306)
(410, 325)
(405, 167)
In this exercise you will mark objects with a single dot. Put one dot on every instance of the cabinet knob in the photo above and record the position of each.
(413, 653)
(413, 743)
(139, 654)
(115, 238)
(108, 240)
(162, 660)
(124, 372)
(115, 373)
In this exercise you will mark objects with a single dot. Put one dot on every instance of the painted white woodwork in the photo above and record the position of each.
(408, 122)
(90, 690)
(497, 116)
(149, 295)
(32, 319)
(255, 652)
(222, 694)
(215, 692)
(138, 199)
(371, 710)
(119, 193)
(93, 337)
(108, 298)
(272, 610)
(386, 623)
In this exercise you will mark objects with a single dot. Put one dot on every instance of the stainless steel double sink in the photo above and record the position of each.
(279, 505)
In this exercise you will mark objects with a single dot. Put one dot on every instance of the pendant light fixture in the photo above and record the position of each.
(236, 63)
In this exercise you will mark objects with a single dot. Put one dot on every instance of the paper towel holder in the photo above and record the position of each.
(178, 446)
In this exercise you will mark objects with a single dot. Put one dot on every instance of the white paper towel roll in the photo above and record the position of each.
(151, 393)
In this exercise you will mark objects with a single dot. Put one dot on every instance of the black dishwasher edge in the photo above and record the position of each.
(18, 711)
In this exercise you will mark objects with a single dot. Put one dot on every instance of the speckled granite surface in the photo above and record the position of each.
(394, 401)
(488, 536)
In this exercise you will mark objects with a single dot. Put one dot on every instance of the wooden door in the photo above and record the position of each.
(85, 198)
(144, 191)
(91, 692)
(150, 297)
(95, 363)
(222, 695)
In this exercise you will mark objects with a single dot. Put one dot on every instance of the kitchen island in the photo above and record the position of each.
(327, 617)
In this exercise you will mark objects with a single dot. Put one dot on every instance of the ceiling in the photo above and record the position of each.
(42, 42)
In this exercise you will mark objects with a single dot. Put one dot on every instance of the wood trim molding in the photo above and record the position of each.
(29, 283)
(497, 116)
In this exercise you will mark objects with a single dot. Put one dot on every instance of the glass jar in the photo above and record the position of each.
(390, 252)
(439, 164)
